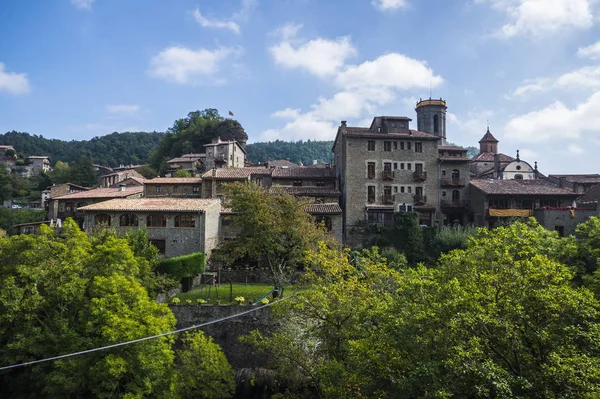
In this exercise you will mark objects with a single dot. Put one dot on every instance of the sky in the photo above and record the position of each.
(293, 69)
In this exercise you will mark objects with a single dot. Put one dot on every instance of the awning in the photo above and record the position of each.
(511, 212)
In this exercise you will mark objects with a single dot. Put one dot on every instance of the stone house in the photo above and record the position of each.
(214, 179)
(176, 226)
(113, 179)
(224, 154)
(190, 162)
(39, 164)
(58, 190)
(579, 184)
(68, 205)
(492, 200)
(180, 187)
(454, 177)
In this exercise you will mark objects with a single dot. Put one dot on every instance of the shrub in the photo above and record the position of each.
(240, 299)
(175, 301)
(184, 266)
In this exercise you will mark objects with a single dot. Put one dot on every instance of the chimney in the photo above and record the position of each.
(561, 182)
(343, 123)
(496, 166)
(121, 187)
(214, 172)
(535, 171)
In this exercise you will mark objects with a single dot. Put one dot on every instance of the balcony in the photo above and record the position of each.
(420, 200)
(454, 204)
(387, 175)
(453, 182)
(220, 158)
(419, 175)
(387, 199)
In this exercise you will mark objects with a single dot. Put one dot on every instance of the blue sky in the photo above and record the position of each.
(292, 69)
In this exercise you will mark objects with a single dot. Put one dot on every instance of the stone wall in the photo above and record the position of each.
(226, 333)
(561, 220)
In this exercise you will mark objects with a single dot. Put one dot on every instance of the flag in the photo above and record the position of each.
(230, 113)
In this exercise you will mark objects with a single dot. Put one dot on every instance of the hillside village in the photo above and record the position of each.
(378, 171)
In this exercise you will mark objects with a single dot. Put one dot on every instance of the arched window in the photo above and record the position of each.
(455, 174)
(156, 221)
(185, 221)
(128, 219)
(436, 124)
(518, 177)
(103, 218)
(69, 207)
(455, 196)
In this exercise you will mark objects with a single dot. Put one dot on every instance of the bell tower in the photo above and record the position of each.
(431, 117)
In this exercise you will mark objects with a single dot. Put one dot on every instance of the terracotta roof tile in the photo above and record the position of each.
(321, 209)
(457, 159)
(489, 157)
(236, 173)
(279, 163)
(582, 179)
(451, 148)
(187, 158)
(175, 180)
(488, 137)
(104, 193)
(303, 173)
(310, 191)
(520, 187)
(365, 131)
(153, 204)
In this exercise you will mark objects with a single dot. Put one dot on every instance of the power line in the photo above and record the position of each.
(142, 339)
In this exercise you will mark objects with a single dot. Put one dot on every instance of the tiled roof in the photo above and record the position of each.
(121, 172)
(6, 146)
(303, 172)
(489, 157)
(365, 131)
(236, 173)
(310, 191)
(321, 209)
(153, 204)
(451, 148)
(38, 157)
(104, 193)
(187, 158)
(582, 179)
(175, 180)
(519, 187)
(448, 158)
(278, 163)
(488, 137)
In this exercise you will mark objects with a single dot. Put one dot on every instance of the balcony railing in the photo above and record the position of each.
(453, 182)
(419, 175)
(387, 175)
(420, 199)
(387, 199)
(455, 203)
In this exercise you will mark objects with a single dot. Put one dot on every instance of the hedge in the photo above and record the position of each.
(183, 266)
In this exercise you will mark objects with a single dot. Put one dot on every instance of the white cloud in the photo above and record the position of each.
(287, 32)
(363, 88)
(230, 24)
(582, 78)
(575, 149)
(83, 4)
(556, 122)
(321, 57)
(543, 17)
(13, 83)
(123, 109)
(592, 51)
(182, 65)
(389, 4)
(474, 123)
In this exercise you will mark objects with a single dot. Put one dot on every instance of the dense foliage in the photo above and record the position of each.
(111, 150)
(190, 134)
(502, 318)
(11, 217)
(305, 152)
(68, 292)
(183, 266)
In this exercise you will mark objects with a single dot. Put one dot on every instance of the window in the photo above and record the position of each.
(443, 193)
(157, 189)
(103, 218)
(226, 220)
(371, 145)
(409, 166)
(297, 183)
(160, 244)
(371, 194)
(436, 124)
(444, 172)
(371, 170)
(128, 219)
(401, 189)
(455, 197)
(320, 183)
(409, 189)
(419, 191)
(387, 146)
(185, 221)
(175, 188)
(387, 166)
(402, 165)
(393, 124)
(395, 189)
(69, 207)
(518, 177)
(395, 145)
(395, 165)
(518, 167)
(455, 174)
(560, 230)
(408, 145)
(418, 147)
(259, 181)
(402, 145)
(196, 189)
(325, 220)
(156, 221)
(387, 191)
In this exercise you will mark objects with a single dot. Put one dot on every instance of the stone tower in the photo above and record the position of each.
(488, 143)
(431, 118)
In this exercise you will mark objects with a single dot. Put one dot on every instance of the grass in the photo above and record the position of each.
(252, 292)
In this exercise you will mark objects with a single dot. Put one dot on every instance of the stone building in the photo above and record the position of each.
(179, 187)
(389, 167)
(113, 179)
(579, 184)
(58, 190)
(176, 226)
(39, 164)
(454, 177)
(193, 163)
(214, 179)
(224, 154)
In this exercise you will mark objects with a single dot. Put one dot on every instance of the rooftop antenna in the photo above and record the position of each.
(430, 89)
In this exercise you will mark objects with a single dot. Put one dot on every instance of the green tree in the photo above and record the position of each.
(147, 171)
(70, 292)
(182, 173)
(203, 370)
(6, 183)
(273, 228)
(82, 172)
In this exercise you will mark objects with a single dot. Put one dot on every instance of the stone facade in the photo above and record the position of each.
(187, 187)
(224, 154)
(564, 221)
(113, 179)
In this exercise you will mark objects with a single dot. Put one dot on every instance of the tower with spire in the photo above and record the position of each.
(488, 143)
